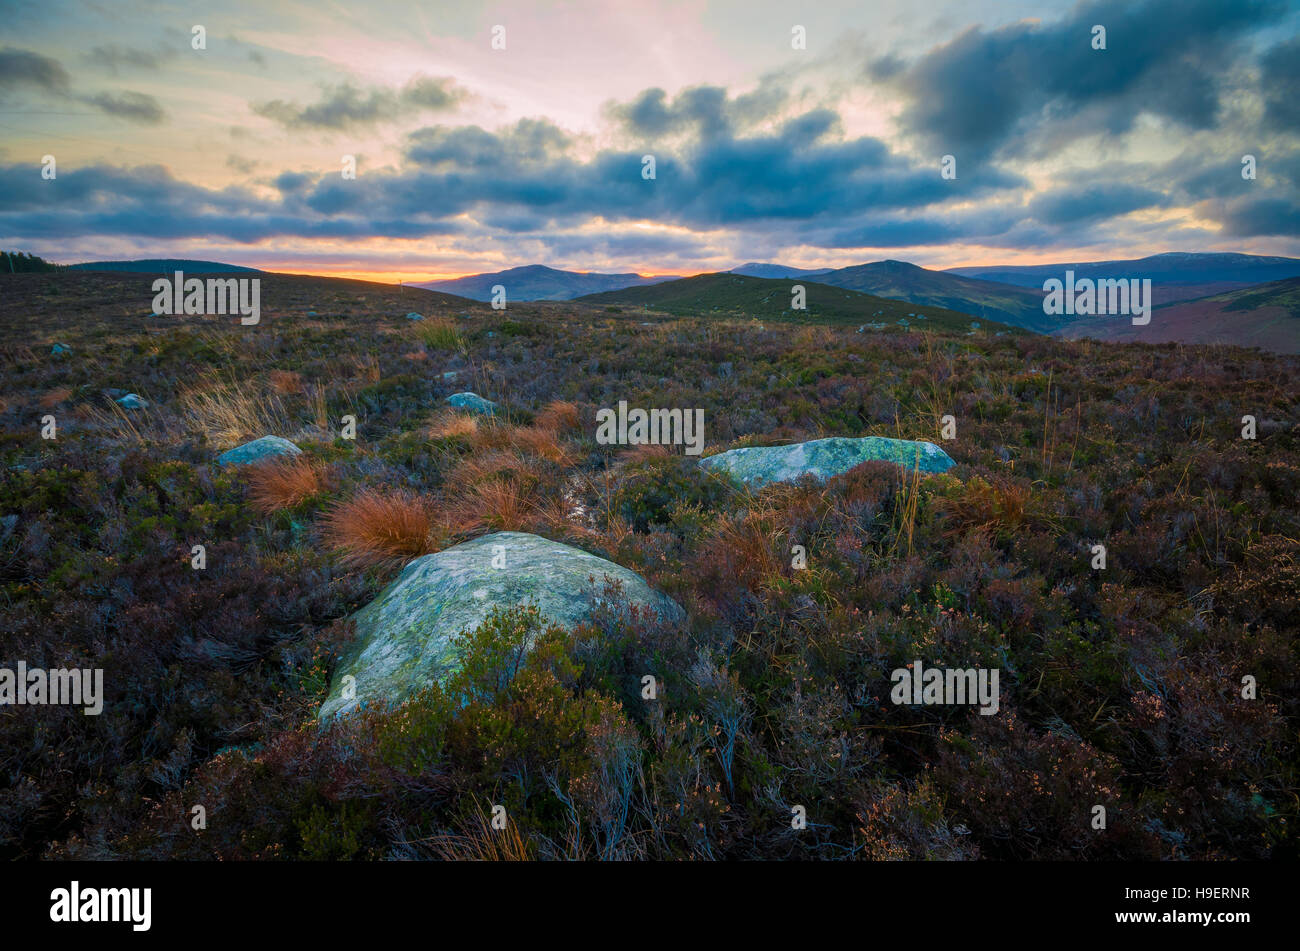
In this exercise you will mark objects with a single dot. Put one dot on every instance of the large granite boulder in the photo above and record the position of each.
(757, 466)
(473, 402)
(257, 450)
(403, 639)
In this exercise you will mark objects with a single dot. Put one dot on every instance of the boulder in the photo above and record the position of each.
(257, 450)
(473, 402)
(403, 639)
(757, 466)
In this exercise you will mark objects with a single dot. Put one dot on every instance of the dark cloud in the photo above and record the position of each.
(133, 106)
(345, 105)
(1258, 217)
(1280, 82)
(706, 111)
(985, 92)
(113, 57)
(19, 68)
(1090, 202)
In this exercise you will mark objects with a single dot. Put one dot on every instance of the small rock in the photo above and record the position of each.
(473, 402)
(257, 450)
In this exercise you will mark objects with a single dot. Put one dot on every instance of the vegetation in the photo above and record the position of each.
(737, 295)
(1120, 687)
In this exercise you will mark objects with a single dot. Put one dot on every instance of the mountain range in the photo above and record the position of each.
(1175, 275)
(1243, 299)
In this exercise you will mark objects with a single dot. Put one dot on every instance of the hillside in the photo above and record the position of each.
(163, 266)
(1120, 681)
(1174, 276)
(736, 295)
(984, 300)
(537, 282)
(754, 269)
(1260, 315)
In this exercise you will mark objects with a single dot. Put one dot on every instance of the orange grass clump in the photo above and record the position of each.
(558, 416)
(376, 527)
(496, 504)
(285, 382)
(283, 482)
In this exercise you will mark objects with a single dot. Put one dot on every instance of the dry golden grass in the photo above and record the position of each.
(479, 842)
(644, 452)
(999, 509)
(230, 413)
(438, 334)
(379, 527)
(749, 547)
(539, 442)
(482, 466)
(55, 397)
(283, 482)
(285, 382)
(496, 504)
(454, 424)
(558, 417)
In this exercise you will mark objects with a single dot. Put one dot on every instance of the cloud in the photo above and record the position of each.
(1262, 216)
(707, 111)
(985, 92)
(1096, 201)
(113, 57)
(133, 106)
(19, 68)
(345, 105)
(1280, 80)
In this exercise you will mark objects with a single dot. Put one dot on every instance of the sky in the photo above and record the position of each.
(489, 135)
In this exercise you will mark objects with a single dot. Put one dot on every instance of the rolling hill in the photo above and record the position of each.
(163, 266)
(1174, 276)
(753, 269)
(1260, 315)
(738, 295)
(538, 282)
(982, 299)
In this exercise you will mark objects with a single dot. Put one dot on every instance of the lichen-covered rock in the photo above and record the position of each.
(132, 401)
(473, 402)
(403, 639)
(257, 450)
(757, 466)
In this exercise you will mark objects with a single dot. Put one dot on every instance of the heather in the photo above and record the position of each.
(1121, 686)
